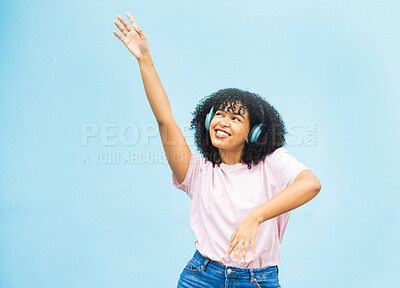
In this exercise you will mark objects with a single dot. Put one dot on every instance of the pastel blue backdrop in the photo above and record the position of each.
(86, 194)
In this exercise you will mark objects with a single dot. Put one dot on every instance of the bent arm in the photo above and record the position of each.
(305, 187)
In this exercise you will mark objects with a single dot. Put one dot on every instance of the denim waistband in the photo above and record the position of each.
(235, 272)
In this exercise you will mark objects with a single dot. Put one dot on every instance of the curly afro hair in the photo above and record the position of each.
(273, 130)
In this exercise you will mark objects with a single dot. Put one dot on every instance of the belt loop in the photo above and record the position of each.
(277, 270)
(251, 276)
(204, 266)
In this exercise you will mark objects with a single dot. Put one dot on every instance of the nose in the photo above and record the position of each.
(224, 123)
(221, 120)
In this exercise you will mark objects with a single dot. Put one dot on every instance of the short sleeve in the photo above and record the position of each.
(285, 167)
(195, 166)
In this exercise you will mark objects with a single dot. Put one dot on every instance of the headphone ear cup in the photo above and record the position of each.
(209, 117)
(255, 133)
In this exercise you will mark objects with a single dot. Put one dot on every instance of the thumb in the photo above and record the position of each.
(139, 31)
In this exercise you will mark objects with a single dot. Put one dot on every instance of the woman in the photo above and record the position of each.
(245, 179)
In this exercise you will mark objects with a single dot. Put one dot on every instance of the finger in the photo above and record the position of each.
(133, 22)
(253, 247)
(122, 29)
(237, 251)
(244, 252)
(119, 36)
(231, 247)
(138, 31)
(232, 237)
(126, 25)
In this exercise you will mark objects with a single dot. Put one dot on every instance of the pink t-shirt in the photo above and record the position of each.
(222, 197)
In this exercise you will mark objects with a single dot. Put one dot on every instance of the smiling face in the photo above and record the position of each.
(229, 128)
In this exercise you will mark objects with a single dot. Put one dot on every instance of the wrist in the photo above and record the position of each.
(255, 215)
(145, 59)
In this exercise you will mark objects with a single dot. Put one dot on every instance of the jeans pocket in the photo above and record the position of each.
(269, 282)
(193, 266)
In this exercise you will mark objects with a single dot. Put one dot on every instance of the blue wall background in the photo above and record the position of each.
(331, 68)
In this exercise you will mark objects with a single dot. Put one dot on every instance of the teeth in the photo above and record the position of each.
(222, 133)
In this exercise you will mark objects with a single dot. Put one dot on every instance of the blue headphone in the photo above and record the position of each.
(254, 132)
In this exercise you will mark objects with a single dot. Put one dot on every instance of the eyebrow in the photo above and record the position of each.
(232, 113)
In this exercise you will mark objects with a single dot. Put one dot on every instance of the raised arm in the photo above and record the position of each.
(175, 147)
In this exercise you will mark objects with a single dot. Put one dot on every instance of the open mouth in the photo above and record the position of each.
(221, 134)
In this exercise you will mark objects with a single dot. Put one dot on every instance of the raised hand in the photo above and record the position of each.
(133, 39)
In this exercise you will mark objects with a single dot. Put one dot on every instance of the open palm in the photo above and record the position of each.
(133, 39)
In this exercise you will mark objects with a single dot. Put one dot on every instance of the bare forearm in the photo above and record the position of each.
(293, 196)
(155, 92)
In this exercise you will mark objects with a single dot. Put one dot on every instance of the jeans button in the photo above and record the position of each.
(229, 270)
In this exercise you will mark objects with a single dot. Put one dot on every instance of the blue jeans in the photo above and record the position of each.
(201, 272)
